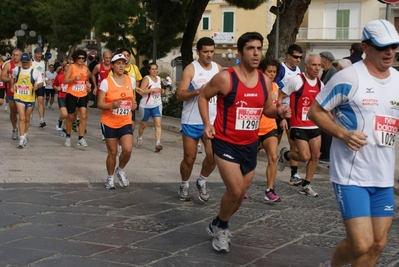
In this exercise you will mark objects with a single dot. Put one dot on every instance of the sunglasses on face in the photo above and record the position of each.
(382, 48)
(296, 56)
(82, 58)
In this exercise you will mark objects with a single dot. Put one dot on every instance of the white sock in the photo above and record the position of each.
(201, 180)
(185, 184)
(111, 177)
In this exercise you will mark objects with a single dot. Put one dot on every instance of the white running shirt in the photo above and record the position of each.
(152, 99)
(362, 102)
(190, 113)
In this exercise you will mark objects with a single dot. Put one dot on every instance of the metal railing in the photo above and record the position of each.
(333, 34)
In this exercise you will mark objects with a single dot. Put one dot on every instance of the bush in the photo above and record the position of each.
(171, 107)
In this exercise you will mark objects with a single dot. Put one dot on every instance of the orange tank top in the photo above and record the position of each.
(268, 124)
(78, 88)
(118, 117)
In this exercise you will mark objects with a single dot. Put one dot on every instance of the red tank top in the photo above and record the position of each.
(103, 73)
(300, 103)
(8, 86)
(238, 113)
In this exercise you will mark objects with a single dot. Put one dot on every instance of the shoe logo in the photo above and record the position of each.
(228, 156)
(388, 208)
(369, 90)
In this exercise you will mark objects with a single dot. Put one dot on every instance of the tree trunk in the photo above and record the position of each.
(290, 21)
(198, 8)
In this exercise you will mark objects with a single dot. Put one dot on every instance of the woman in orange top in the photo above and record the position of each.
(268, 132)
(77, 77)
(116, 99)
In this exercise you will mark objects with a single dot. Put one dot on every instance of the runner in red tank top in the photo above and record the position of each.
(243, 94)
(6, 77)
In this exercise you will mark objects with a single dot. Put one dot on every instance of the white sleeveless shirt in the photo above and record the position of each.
(190, 113)
(152, 99)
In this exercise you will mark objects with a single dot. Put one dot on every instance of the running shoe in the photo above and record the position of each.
(102, 137)
(14, 134)
(199, 149)
(6, 107)
(82, 142)
(62, 133)
(123, 181)
(67, 142)
(158, 147)
(308, 191)
(109, 184)
(42, 124)
(202, 193)
(246, 195)
(221, 238)
(58, 125)
(25, 140)
(50, 107)
(184, 193)
(271, 196)
(21, 143)
(139, 142)
(281, 160)
(295, 179)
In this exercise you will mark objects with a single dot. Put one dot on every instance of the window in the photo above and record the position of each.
(205, 23)
(342, 24)
(228, 21)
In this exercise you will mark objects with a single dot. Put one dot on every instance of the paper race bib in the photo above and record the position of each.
(22, 89)
(305, 111)
(124, 109)
(247, 119)
(64, 88)
(79, 86)
(385, 129)
(155, 97)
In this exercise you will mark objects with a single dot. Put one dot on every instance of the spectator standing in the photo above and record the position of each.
(356, 52)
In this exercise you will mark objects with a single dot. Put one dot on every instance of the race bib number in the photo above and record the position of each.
(247, 119)
(155, 97)
(305, 111)
(1, 84)
(23, 89)
(79, 86)
(124, 109)
(385, 129)
(64, 88)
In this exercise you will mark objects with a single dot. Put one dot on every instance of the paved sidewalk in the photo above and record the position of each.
(55, 211)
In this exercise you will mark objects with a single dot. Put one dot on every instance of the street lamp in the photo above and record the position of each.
(230, 55)
(20, 34)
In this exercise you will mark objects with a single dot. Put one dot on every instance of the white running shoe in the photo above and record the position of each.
(109, 184)
(139, 142)
(67, 142)
(14, 134)
(199, 149)
(123, 181)
(82, 142)
(308, 191)
(221, 238)
(281, 160)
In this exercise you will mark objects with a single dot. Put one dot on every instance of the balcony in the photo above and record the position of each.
(329, 34)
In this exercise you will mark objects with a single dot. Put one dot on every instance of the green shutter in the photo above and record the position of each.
(205, 23)
(228, 21)
(342, 24)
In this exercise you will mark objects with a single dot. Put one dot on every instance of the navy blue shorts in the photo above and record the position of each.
(245, 155)
(117, 132)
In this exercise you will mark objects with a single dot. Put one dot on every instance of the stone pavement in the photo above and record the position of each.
(55, 211)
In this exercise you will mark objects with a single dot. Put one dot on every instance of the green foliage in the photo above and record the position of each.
(171, 107)
(246, 4)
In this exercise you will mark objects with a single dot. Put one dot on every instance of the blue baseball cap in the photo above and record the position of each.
(25, 57)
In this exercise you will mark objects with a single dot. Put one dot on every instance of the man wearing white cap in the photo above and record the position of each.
(364, 99)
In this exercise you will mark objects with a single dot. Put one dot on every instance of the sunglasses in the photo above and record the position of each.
(382, 48)
(296, 57)
(83, 58)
